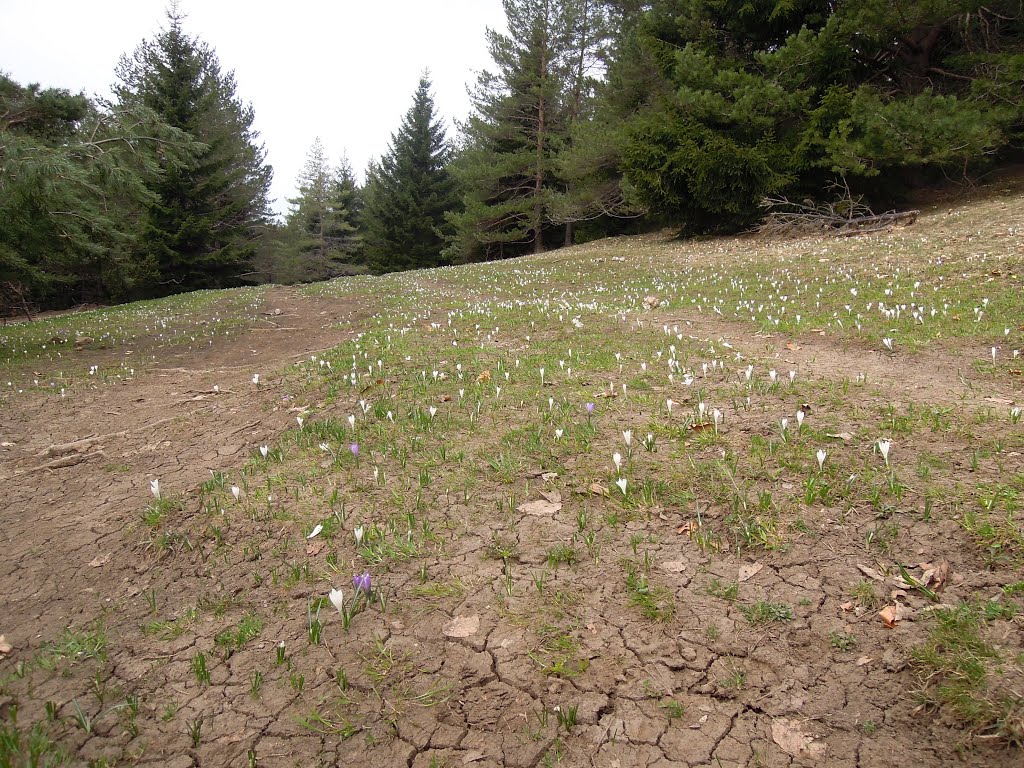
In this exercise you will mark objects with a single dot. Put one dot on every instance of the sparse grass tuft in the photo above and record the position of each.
(960, 668)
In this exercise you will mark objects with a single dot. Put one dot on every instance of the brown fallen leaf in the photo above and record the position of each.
(749, 571)
(99, 560)
(539, 508)
(314, 548)
(936, 580)
(549, 476)
(5, 647)
(844, 436)
(598, 490)
(472, 757)
(847, 606)
(863, 661)
(792, 347)
(894, 613)
(553, 496)
(462, 626)
(701, 427)
(686, 528)
(607, 394)
(484, 377)
(888, 616)
(791, 738)
(674, 566)
(871, 573)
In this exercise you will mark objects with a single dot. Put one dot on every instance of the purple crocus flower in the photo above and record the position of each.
(590, 408)
(355, 449)
(362, 582)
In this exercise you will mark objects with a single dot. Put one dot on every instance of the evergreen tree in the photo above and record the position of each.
(409, 191)
(323, 216)
(211, 209)
(345, 214)
(525, 113)
(505, 166)
(74, 179)
(715, 104)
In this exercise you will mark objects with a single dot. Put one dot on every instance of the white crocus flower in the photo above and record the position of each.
(883, 448)
(154, 486)
(621, 482)
(821, 458)
(338, 599)
(617, 460)
(236, 492)
(358, 534)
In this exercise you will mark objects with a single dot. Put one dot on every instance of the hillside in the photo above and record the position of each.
(640, 502)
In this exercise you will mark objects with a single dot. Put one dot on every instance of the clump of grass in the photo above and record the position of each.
(763, 612)
(960, 669)
(864, 593)
(237, 637)
(562, 553)
(28, 746)
(654, 602)
(842, 641)
(728, 591)
(500, 549)
(74, 645)
(998, 534)
(158, 510)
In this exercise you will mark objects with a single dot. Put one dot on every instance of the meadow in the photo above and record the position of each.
(641, 502)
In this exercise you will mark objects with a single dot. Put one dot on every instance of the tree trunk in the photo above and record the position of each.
(538, 180)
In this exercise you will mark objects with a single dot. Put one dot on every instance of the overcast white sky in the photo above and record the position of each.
(344, 70)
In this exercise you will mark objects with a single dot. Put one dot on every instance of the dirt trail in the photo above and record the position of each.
(168, 423)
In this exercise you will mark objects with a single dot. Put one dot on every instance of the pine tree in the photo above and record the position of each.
(507, 159)
(210, 210)
(409, 191)
(343, 224)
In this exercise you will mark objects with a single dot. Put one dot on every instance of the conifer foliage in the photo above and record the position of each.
(546, 69)
(408, 192)
(322, 223)
(73, 185)
(211, 208)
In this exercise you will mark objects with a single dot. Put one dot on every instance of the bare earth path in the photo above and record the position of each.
(169, 423)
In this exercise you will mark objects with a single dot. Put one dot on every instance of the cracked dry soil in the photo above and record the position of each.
(703, 689)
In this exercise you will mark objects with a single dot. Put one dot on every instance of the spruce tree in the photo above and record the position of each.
(546, 69)
(409, 191)
(209, 210)
(323, 217)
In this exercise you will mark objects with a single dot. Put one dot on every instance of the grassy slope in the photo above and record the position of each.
(510, 355)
